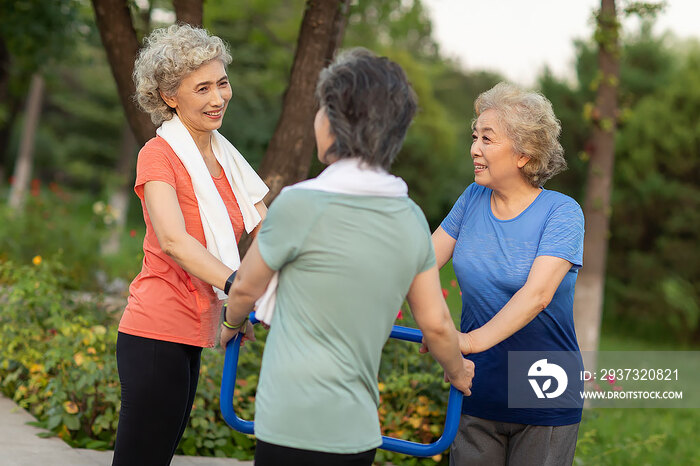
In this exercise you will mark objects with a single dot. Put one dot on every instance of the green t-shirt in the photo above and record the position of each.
(346, 263)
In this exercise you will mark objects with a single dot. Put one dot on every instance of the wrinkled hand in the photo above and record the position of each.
(465, 343)
(227, 334)
(463, 380)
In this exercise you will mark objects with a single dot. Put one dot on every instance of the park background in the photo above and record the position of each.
(71, 228)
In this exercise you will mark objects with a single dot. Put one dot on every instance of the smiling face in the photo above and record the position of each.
(496, 164)
(202, 98)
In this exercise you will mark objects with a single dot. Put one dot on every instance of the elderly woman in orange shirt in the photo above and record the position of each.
(198, 195)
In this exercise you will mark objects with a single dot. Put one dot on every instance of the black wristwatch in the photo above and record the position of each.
(229, 282)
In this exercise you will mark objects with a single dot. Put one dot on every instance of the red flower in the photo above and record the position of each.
(445, 293)
(453, 283)
(35, 187)
(399, 316)
(132, 233)
(611, 379)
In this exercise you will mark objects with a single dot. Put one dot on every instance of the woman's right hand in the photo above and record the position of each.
(462, 381)
(228, 334)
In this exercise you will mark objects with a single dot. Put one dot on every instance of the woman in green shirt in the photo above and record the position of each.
(349, 247)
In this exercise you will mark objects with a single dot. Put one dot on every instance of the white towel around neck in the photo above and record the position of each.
(246, 185)
(346, 176)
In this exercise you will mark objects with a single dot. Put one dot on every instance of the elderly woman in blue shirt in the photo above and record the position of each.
(516, 249)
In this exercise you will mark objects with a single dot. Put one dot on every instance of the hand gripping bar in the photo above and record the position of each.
(454, 403)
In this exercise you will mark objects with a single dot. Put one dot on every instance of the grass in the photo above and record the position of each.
(628, 436)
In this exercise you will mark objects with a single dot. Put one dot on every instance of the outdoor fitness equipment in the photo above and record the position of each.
(454, 403)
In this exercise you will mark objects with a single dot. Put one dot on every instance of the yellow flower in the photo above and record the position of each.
(381, 387)
(36, 260)
(437, 457)
(423, 410)
(78, 358)
(34, 368)
(70, 407)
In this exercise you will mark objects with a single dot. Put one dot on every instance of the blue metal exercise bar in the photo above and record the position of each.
(454, 403)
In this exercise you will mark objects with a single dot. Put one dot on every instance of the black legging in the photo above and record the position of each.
(268, 454)
(159, 381)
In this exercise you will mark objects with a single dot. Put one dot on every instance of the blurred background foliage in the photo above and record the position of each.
(653, 273)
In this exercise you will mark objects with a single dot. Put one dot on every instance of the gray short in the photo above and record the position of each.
(489, 443)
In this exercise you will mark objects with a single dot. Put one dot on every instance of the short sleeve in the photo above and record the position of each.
(153, 164)
(427, 260)
(453, 222)
(563, 234)
(285, 228)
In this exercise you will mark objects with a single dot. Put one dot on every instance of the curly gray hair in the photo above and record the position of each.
(168, 55)
(369, 103)
(529, 122)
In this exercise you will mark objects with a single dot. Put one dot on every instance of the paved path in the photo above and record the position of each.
(20, 446)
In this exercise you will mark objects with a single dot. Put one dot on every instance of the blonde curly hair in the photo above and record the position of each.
(168, 55)
(529, 122)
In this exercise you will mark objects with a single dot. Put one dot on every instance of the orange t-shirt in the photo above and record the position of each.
(165, 302)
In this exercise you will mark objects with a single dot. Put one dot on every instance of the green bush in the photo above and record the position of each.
(69, 227)
(48, 226)
(57, 360)
(57, 354)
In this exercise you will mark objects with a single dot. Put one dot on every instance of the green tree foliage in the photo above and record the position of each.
(434, 160)
(646, 62)
(37, 33)
(262, 36)
(652, 284)
(82, 122)
(654, 268)
(33, 37)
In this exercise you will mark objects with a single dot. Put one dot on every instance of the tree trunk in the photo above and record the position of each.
(189, 11)
(119, 199)
(588, 301)
(288, 156)
(119, 39)
(25, 158)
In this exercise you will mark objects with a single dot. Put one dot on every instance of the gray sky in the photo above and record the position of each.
(517, 38)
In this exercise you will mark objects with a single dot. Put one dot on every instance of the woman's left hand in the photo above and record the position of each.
(227, 334)
(465, 343)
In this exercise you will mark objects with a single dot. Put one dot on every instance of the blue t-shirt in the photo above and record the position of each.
(492, 259)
